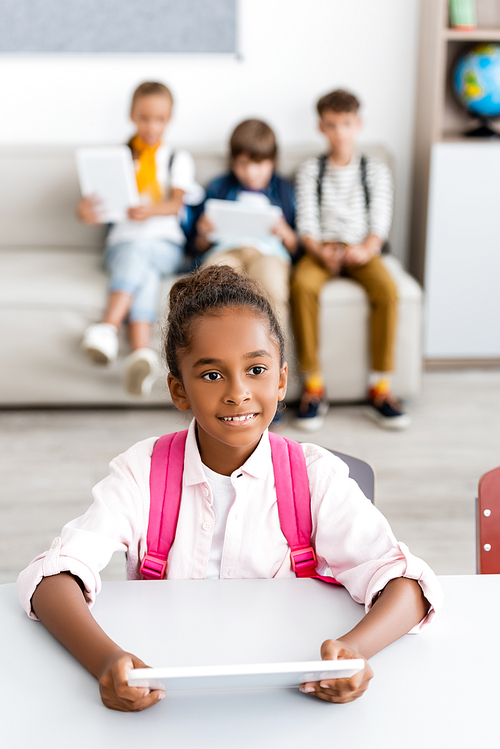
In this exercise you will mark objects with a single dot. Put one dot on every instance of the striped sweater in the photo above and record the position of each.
(343, 216)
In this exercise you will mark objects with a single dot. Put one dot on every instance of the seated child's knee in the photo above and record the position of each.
(391, 292)
(385, 291)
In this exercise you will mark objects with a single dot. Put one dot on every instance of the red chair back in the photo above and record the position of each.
(488, 524)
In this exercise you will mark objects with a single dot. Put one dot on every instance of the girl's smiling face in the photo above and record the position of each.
(232, 381)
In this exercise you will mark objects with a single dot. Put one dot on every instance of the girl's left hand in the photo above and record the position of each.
(339, 690)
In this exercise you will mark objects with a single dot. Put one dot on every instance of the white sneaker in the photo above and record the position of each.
(100, 343)
(141, 370)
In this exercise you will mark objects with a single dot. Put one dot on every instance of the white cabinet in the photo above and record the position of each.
(462, 268)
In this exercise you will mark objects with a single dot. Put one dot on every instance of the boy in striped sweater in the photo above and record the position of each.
(344, 212)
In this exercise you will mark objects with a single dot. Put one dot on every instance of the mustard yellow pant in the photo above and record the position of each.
(308, 280)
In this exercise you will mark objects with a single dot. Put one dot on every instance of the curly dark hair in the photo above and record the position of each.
(208, 291)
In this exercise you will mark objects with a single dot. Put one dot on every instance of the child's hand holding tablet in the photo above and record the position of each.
(117, 694)
(107, 176)
(342, 688)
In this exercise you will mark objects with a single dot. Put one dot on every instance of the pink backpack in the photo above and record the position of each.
(292, 493)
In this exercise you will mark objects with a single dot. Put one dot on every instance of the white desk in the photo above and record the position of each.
(408, 704)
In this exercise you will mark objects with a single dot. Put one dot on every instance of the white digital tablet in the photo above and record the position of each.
(250, 676)
(234, 220)
(109, 174)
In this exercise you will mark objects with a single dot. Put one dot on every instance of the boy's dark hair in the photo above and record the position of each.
(338, 101)
(255, 139)
(209, 291)
(150, 88)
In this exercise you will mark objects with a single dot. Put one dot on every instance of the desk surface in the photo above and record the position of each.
(419, 697)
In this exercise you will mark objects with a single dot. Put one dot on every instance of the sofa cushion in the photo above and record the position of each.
(39, 192)
(52, 279)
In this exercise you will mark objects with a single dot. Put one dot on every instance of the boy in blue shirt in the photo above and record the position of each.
(252, 179)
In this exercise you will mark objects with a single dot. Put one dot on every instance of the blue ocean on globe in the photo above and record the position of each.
(476, 80)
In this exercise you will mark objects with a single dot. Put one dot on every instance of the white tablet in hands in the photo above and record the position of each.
(234, 219)
(108, 174)
(249, 676)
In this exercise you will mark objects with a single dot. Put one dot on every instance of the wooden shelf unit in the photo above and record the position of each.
(438, 115)
(474, 35)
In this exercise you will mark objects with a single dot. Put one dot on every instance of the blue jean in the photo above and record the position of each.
(137, 268)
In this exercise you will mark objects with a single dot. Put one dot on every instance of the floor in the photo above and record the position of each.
(426, 477)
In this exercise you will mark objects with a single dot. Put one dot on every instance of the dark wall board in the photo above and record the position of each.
(123, 26)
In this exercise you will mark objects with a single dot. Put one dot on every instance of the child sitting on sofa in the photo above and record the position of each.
(146, 247)
(252, 177)
(344, 212)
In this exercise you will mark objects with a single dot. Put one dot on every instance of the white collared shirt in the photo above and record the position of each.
(349, 534)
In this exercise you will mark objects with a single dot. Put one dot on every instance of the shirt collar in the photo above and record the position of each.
(258, 464)
(354, 163)
(260, 461)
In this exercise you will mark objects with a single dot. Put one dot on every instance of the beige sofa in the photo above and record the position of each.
(52, 286)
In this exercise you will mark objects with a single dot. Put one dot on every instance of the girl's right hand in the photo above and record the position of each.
(340, 690)
(87, 210)
(114, 689)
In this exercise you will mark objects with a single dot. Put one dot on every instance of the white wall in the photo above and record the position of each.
(292, 51)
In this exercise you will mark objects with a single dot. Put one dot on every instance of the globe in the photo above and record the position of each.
(476, 83)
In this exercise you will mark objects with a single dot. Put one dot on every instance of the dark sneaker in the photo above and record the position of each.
(387, 412)
(312, 410)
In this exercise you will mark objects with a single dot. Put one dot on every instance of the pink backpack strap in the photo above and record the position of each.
(165, 483)
(294, 504)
